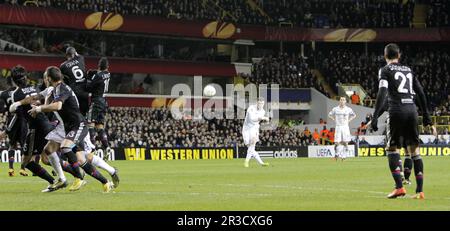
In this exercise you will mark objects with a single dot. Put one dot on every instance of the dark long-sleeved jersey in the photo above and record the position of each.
(99, 83)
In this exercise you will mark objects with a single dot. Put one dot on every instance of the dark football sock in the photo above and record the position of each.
(11, 158)
(39, 171)
(395, 167)
(418, 171)
(103, 138)
(72, 159)
(66, 167)
(37, 159)
(92, 171)
(407, 167)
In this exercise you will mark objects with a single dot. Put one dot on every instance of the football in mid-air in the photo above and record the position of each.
(209, 90)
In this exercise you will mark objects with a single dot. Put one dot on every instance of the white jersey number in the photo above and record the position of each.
(401, 87)
(77, 72)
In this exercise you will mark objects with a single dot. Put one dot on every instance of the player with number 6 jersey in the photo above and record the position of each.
(74, 71)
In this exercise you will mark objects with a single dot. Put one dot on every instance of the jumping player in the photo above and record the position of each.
(74, 71)
(98, 85)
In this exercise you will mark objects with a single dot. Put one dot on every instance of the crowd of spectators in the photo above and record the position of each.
(337, 14)
(343, 66)
(225, 10)
(151, 127)
(306, 13)
(289, 71)
(438, 12)
(431, 66)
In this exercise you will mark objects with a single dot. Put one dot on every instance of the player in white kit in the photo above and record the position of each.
(342, 115)
(250, 130)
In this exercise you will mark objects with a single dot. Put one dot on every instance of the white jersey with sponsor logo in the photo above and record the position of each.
(341, 115)
(252, 117)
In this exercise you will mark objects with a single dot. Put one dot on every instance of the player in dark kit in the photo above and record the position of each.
(33, 127)
(12, 127)
(400, 86)
(66, 103)
(74, 72)
(97, 84)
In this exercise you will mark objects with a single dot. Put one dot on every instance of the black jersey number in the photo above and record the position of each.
(401, 87)
(77, 72)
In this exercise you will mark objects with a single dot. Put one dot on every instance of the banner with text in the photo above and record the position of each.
(425, 150)
(277, 152)
(327, 151)
(175, 153)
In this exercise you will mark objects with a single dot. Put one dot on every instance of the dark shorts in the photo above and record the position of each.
(83, 99)
(402, 129)
(17, 131)
(35, 143)
(77, 135)
(97, 111)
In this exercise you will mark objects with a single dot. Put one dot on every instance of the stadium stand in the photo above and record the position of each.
(309, 13)
(347, 66)
(149, 127)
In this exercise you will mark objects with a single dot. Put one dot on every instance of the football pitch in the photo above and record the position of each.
(192, 185)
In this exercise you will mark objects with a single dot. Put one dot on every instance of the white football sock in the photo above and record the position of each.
(257, 157)
(250, 151)
(254, 153)
(99, 162)
(56, 164)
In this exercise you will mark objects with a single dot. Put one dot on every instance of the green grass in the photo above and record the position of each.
(288, 184)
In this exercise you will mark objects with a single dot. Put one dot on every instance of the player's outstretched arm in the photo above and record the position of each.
(26, 101)
(55, 106)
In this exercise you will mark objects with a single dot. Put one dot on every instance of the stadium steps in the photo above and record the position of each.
(420, 16)
(324, 82)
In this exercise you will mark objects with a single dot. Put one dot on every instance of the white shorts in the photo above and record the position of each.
(342, 134)
(57, 135)
(88, 146)
(249, 134)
